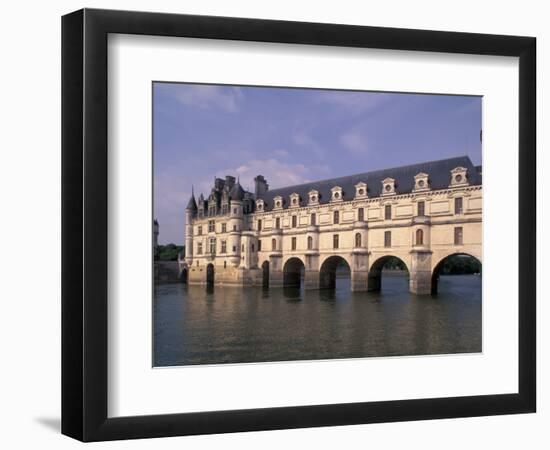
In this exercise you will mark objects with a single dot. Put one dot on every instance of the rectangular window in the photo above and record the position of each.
(224, 227)
(293, 243)
(294, 221)
(212, 246)
(234, 248)
(211, 226)
(224, 247)
(336, 218)
(200, 230)
(224, 209)
(421, 208)
(387, 212)
(313, 219)
(387, 238)
(225, 264)
(458, 236)
(259, 245)
(277, 223)
(361, 214)
(335, 241)
(259, 225)
(199, 248)
(252, 248)
(458, 205)
(234, 227)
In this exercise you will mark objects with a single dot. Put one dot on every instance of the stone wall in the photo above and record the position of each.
(166, 272)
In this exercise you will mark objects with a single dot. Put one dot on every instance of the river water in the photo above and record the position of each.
(196, 325)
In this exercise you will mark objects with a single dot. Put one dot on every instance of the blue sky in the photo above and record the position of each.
(293, 136)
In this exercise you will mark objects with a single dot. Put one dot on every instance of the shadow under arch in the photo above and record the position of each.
(265, 274)
(210, 275)
(455, 264)
(391, 262)
(293, 272)
(330, 268)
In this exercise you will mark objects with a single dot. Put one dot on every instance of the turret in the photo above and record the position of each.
(235, 222)
(237, 192)
(190, 213)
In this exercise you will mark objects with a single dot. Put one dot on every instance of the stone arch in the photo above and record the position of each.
(346, 257)
(293, 271)
(210, 274)
(265, 274)
(436, 272)
(374, 282)
(300, 257)
(328, 271)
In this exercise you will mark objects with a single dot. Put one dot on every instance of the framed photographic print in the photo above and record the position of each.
(273, 224)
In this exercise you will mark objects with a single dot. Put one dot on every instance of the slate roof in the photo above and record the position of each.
(192, 204)
(439, 175)
(237, 192)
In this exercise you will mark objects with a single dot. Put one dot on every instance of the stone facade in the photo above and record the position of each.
(421, 214)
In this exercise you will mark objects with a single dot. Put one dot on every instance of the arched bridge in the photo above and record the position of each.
(366, 269)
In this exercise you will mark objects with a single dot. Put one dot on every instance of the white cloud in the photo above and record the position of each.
(281, 152)
(277, 173)
(355, 142)
(226, 98)
(354, 102)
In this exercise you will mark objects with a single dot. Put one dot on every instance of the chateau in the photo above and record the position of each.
(421, 214)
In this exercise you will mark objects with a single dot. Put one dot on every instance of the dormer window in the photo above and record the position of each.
(294, 200)
(278, 202)
(459, 177)
(421, 182)
(337, 194)
(388, 186)
(313, 197)
(360, 190)
(260, 205)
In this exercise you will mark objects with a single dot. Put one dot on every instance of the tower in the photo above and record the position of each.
(190, 213)
(236, 222)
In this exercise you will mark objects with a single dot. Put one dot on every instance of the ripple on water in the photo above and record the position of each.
(194, 325)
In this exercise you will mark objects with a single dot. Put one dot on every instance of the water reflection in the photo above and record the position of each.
(199, 325)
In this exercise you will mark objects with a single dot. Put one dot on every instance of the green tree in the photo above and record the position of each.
(168, 252)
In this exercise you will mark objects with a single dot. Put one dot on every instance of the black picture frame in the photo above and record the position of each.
(84, 224)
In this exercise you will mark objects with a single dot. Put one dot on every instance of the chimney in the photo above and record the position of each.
(260, 186)
(218, 184)
(229, 181)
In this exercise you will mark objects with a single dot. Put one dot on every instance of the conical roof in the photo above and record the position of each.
(192, 204)
(237, 192)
